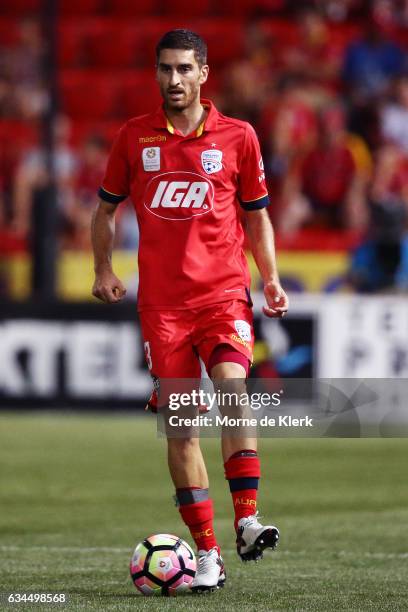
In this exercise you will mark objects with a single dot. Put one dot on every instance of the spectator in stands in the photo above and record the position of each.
(394, 117)
(287, 131)
(21, 67)
(315, 56)
(371, 63)
(370, 67)
(337, 11)
(7, 98)
(249, 81)
(333, 178)
(32, 173)
(381, 262)
(243, 91)
(81, 198)
(341, 10)
(3, 215)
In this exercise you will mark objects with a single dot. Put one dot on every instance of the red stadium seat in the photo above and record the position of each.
(284, 33)
(19, 134)
(8, 32)
(89, 95)
(80, 7)
(247, 8)
(400, 36)
(113, 44)
(12, 243)
(132, 8)
(150, 32)
(224, 37)
(81, 130)
(342, 35)
(139, 93)
(188, 8)
(71, 43)
(20, 7)
(212, 87)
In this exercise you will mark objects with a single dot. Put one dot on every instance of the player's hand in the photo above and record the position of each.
(276, 299)
(108, 288)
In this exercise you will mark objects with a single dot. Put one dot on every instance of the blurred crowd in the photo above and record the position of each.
(330, 106)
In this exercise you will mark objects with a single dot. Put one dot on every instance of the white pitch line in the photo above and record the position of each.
(108, 549)
(83, 549)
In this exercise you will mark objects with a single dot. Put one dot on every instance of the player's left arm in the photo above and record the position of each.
(261, 238)
(253, 196)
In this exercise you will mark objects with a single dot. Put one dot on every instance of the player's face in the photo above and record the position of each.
(180, 78)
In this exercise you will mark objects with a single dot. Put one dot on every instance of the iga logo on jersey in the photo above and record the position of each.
(211, 161)
(243, 329)
(179, 196)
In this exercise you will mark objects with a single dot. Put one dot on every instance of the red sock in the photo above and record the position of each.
(242, 470)
(199, 519)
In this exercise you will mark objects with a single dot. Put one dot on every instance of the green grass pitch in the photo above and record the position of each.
(78, 492)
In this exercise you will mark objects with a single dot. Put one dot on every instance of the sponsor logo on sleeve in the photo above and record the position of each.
(151, 159)
(211, 161)
(261, 177)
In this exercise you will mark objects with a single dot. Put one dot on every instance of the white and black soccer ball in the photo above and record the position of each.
(162, 564)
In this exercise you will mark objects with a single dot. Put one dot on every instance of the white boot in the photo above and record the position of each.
(253, 538)
(210, 573)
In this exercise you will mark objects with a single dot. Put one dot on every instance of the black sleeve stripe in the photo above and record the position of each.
(256, 204)
(110, 197)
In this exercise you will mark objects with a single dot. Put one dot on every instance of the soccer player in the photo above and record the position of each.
(191, 172)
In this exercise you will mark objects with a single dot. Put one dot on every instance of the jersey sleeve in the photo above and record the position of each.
(115, 185)
(252, 190)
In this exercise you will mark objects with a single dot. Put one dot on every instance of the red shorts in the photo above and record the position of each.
(175, 339)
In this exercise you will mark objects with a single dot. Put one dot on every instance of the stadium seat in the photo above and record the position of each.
(283, 33)
(80, 7)
(150, 31)
(20, 8)
(213, 85)
(248, 8)
(139, 93)
(8, 32)
(113, 44)
(132, 8)
(187, 8)
(86, 94)
(82, 129)
(12, 243)
(342, 35)
(71, 43)
(18, 134)
(224, 37)
(400, 36)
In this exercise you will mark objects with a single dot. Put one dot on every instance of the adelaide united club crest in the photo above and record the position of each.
(211, 160)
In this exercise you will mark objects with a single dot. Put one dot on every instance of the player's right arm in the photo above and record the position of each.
(107, 286)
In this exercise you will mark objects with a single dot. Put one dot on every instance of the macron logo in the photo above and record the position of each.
(179, 196)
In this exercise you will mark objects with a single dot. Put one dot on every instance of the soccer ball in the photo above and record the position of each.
(162, 564)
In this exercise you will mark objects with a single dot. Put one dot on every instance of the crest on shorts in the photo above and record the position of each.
(243, 330)
(211, 161)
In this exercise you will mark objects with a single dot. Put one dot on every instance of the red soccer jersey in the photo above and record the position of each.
(187, 192)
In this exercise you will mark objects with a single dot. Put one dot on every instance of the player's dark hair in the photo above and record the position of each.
(183, 39)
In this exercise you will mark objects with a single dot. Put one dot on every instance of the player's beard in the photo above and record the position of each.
(186, 100)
